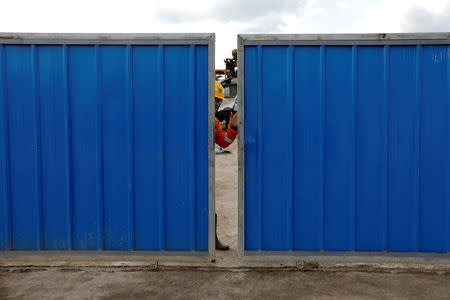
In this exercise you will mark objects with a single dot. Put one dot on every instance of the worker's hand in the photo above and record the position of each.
(234, 119)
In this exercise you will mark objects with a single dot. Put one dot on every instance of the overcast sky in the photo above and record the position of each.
(225, 18)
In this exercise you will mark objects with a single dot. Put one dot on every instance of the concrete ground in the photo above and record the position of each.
(186, 284)
(138, 276)
(227, 204)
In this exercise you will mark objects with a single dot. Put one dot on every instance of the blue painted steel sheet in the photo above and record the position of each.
(104, 147)
(347, 148)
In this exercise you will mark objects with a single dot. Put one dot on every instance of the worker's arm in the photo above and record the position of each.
(225, 138)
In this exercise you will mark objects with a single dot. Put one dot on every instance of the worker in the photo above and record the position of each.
(224, 139)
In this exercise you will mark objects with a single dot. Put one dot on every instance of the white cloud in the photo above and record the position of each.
(225, 18)
(255, 15)
(419, 19)
(249, 10)
(343, 4)
(108, 16)
(401, 16)
(310, 3)
(314, 11)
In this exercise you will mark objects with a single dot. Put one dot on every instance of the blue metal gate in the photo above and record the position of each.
(105, 142)
(346, 144)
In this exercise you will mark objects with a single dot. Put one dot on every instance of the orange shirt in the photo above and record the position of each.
(224, 139)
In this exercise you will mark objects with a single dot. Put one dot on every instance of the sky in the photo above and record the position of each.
(225, 18)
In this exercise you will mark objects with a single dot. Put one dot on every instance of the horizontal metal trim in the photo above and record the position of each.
(346, 43)
(346, 256)
(346, 39)
(8, 254)
(107, 39)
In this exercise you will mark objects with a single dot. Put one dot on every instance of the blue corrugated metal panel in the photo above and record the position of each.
(104, 147)
(347, 148)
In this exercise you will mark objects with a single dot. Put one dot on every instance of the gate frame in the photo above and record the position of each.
(380, 39)
(138, 39)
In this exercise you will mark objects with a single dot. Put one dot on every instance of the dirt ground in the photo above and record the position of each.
(224, 279)
(227, 203)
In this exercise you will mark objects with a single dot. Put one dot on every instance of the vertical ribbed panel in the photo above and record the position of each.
(385, 147)
(147, 154)
(323, 136)
(204, 148)
(161, 182)
(5, 201)
(402, 159)
(100, 179)
(52, 146)
(130, 142)
(37, 147)
(370, 148)
(259, 213)
(290, 152)
(177, 125)
(252, 208)
(306, 142)
(353, 150)
(83, 97)
(22, 155)
(446, 233)
(67, 149)
(433, 110)
(346, 142)
(339, 146)
(191, 106)
(417, 149)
